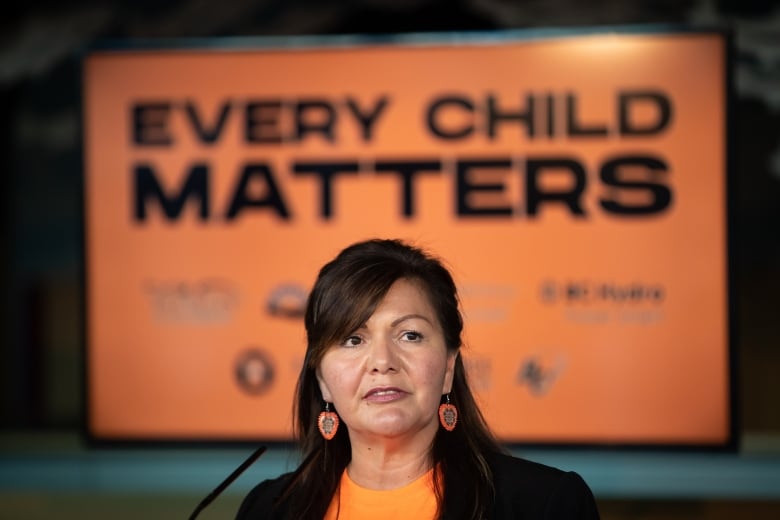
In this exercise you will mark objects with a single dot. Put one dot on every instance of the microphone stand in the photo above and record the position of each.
(225, 483)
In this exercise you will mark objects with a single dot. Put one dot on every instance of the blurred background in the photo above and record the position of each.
(45, 467)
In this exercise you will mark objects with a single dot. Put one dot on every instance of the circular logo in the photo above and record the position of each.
(254, 371)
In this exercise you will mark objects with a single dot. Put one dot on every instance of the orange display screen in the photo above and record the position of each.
(574, 185)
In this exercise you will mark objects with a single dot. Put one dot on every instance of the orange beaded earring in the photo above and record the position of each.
(328, 422)
(448, 415)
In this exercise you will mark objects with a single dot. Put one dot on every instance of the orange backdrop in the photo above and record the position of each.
(574, 185)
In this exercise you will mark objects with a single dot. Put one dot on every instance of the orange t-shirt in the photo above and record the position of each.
(352, 502)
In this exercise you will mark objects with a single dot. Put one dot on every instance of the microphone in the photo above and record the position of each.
(229, 480)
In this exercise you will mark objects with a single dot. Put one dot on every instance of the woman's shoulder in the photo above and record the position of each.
(503, 464)
(260, 500)
(545, 491)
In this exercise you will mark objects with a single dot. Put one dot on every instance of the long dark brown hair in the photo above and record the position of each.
(345, 295)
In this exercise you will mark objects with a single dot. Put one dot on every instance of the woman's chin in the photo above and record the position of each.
(393, 427)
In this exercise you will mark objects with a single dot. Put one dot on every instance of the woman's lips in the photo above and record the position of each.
(384, 394)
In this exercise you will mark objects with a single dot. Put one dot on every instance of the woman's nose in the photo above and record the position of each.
(382, 356)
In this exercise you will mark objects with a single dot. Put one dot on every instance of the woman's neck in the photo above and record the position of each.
(388, 464)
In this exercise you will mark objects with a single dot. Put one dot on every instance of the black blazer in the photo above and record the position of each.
(524, 490)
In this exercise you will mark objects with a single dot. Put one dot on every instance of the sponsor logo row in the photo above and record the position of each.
(214, 300)
(256, 371)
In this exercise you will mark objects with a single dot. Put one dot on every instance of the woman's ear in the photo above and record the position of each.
(449, 373)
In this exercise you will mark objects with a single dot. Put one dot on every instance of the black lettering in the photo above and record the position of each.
(367, 119)
(465, 187)
(206, 134)
(525, 116)
(150, 124)
(654, 170)
(147, 188)
(407, 171)
(262, 122)
(327, 172)
(663, 108)
(272, 197)
(314, 116)
(432, 121)
(535, 197)
(576, 291)
(574, 127)
(550, 105)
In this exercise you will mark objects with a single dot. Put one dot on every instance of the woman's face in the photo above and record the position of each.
(386, 379)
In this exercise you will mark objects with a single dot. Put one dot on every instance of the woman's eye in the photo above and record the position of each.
(352, 341)
(411, 335)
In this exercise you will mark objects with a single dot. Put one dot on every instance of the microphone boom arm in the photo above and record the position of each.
(229, 480)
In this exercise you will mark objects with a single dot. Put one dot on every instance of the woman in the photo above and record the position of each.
(384, 414)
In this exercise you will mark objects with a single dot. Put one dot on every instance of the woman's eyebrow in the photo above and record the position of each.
(409, 317)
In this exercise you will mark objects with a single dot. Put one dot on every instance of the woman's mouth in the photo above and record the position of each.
(383, 395)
